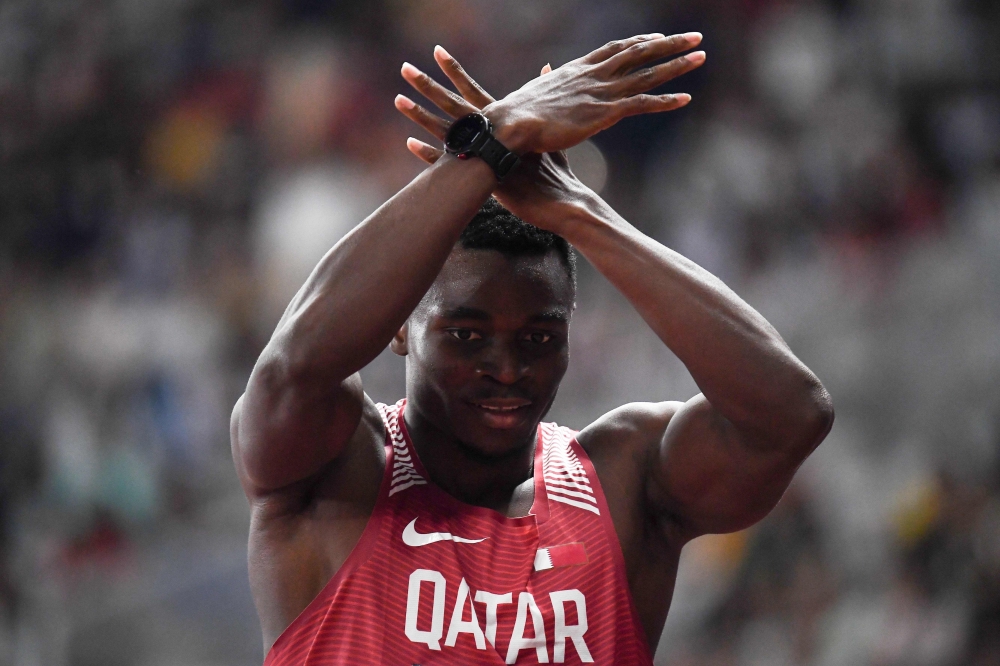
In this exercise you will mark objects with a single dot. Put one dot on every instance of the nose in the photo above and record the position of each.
(503, 363)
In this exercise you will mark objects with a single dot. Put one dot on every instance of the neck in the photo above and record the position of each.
(502, 483)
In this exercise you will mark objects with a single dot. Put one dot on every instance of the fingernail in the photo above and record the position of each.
(411, 142)
(655, 35)
(439, 50)
(693, 37)
(683, 98)
(404, 102)
(408, 69)
(696, 58)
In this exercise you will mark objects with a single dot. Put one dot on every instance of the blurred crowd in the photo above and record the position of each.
(170, 171)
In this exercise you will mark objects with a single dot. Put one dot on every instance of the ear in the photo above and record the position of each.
(399, 341)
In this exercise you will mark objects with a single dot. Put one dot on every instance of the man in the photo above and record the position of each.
(453, 527)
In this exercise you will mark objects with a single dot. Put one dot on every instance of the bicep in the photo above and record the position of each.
(711, 477)
(285, 430)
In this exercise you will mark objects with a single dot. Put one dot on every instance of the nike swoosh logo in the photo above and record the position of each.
(411, 537)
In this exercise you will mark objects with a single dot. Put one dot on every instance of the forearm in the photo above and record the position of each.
(736, 357)
(365, 287)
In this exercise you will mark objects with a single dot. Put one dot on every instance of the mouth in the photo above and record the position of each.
(502, 413)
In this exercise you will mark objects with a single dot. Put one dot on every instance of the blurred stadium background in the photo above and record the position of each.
(171, 169)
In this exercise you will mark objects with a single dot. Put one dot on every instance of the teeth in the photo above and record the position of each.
(499, 409)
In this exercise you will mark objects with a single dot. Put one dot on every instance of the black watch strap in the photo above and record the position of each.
(472, 136)
(498, 157)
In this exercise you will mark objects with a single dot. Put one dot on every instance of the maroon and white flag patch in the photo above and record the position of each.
(566, 555)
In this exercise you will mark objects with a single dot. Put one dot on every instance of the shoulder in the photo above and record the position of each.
(637, 426)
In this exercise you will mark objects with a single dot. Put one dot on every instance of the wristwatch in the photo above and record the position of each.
(472, 136)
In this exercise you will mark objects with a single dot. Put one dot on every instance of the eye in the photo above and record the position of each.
(538, 337)
(464, 334)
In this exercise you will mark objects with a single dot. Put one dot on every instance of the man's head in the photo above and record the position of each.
(487, 346)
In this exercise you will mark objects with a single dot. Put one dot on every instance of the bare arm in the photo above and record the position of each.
(304, 399)
(725, 457)
(727, 454)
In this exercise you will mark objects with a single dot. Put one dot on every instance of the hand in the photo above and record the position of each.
(582, 97)
(528, 191)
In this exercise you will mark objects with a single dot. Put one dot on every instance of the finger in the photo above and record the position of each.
(435, 125)
(466, 85)
(446, 100)
(426, 152)
(640, 104)
(650, 77)
(647, 51)
(546, 69)
(616, 46)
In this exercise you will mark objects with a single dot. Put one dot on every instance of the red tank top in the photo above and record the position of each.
(437, 581)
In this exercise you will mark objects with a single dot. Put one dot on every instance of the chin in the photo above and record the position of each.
(492, 449)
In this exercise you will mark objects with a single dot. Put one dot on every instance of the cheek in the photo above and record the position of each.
(442, 366)
(455, 372)
(559, 365)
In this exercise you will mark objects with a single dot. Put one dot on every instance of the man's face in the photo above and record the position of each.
(487, 347)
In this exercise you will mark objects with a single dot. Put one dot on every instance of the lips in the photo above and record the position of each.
(502, 404)
(502, 413)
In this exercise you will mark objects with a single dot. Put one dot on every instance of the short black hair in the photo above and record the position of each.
(496, 228)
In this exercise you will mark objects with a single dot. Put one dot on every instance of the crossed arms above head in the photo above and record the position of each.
(721, 460)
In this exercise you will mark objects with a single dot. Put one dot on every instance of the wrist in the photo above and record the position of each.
(506, 127)
(577, 213)
(562, 212)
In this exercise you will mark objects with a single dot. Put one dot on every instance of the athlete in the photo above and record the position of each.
(455, 527)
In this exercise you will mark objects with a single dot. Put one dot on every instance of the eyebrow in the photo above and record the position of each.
(463, 312)
(553, 316)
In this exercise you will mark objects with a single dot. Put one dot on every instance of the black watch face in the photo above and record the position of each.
(465, 131)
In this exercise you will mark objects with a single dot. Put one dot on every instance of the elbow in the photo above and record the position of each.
(817, 415)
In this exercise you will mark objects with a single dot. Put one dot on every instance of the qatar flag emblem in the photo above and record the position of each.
(566, 555)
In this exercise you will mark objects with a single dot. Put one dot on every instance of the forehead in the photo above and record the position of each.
(502, 286)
